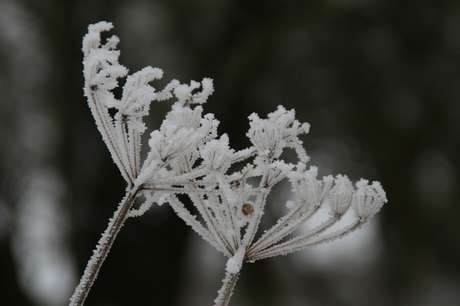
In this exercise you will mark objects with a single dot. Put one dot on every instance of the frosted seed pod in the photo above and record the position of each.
(247, 209)
(266, 136)
(368, 199)
(341, 195)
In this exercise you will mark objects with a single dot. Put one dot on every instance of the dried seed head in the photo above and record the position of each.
(247, 209)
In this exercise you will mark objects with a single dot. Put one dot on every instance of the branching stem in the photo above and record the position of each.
(103, 247)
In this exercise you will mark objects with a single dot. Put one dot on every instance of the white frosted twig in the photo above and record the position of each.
(211, 221)
(105, 127)
(221, 216)
(226, 291)
(296, 244)
(134, 151)
(313, 232)
(227, 216)
(285, 226)
(123, 145)
(190, 220)
(258, 210)
(255, 220)
(103, 248)
(181, 179)
(341, 196)
(101, 69)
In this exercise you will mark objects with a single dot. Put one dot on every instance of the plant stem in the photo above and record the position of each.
(103, 247)
(226, 291)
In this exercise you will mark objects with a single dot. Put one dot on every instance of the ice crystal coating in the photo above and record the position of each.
(187, 157)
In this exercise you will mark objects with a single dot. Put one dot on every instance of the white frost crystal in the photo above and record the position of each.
(187, 157)
(234, 263)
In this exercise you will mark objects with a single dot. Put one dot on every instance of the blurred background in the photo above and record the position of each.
(379, 81)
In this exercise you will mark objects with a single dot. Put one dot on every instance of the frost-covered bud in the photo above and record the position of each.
(216, 154)
(182, 131)
(368, 199)
(341, 195)
(208, 127)
(307, 188)
(101, 69)
(266, 136)
(172, 141)
(137, 95)
(276, 172)
(137, 92)
(291, 129)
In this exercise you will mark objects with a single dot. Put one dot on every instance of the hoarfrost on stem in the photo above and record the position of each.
(188, 157)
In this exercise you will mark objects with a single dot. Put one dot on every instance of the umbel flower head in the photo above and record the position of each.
(187, 157)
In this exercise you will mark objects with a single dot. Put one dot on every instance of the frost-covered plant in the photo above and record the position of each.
(187, 157)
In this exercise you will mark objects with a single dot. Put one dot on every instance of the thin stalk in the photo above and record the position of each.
(226, 291)
(285, 226)
(103, 247)
(294, 244)
(105, 126)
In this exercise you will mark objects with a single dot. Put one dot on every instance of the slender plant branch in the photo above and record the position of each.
(103, 247)
(226, 291)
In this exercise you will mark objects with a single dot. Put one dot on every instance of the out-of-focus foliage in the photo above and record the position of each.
(379, 81)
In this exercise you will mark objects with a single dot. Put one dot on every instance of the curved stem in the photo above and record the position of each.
(103, 248)
(226, 291)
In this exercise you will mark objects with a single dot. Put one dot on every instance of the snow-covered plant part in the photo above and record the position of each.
(188, 157)
(122, 127)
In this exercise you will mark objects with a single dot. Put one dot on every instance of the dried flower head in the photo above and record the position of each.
(187, 157)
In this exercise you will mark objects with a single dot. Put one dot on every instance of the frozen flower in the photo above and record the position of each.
(217, 154)
(186, 157)
(341, 195)
(307, 188)
(277, 171)
(267, 137)
(137, 95)
(368, 199)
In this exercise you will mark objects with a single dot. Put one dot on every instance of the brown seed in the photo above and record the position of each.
(247, 209)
